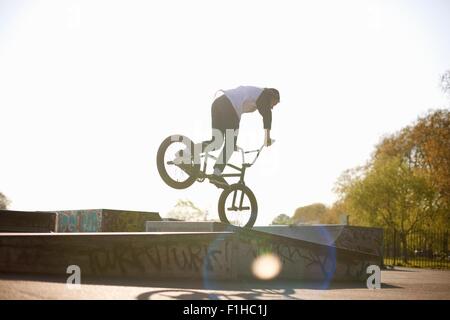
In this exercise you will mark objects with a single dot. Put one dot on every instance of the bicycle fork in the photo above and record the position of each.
(241, 201)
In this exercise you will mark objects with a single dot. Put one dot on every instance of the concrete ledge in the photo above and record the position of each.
(27, 221)
(227, 254)
(119, 254)
(104, 220)
(96, 220)
(301, 259)
(185, 226)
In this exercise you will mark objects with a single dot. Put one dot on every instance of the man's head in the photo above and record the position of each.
(274, 96)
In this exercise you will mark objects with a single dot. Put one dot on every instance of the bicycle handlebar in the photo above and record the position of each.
(258, 151)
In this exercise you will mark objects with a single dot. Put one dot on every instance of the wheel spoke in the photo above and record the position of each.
(170, 172)
(174, 171)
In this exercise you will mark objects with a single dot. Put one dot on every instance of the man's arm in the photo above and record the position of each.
(267, 139)
(264, 108)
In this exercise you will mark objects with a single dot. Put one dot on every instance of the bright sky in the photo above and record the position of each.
(89, 89)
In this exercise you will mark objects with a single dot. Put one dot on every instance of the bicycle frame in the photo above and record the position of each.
(199, 174)
(241, 170)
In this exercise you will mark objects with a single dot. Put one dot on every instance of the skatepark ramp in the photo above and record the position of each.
(363, 239)
(183, 250)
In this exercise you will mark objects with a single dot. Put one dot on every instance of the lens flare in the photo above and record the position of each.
(266, 266)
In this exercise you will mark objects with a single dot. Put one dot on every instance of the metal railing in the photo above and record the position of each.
(423, 249)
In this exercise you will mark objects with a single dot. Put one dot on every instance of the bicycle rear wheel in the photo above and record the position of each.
(177, 176)
(238, 206)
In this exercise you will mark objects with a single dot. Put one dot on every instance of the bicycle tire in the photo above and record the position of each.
(222, 203)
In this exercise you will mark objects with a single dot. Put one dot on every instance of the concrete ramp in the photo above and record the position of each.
(301, 259)
(180, 250)
(369, 240)
(305, 259)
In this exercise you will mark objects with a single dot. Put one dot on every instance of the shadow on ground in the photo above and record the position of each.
(189, 289)
(186, 294)
(248, 290)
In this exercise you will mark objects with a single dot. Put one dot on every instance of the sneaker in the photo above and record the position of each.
(218, 181)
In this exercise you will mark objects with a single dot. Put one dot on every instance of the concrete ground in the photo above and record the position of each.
(401, 283)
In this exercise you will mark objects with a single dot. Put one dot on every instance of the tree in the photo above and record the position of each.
(425, 148)
(282, 219)
(187, 211)
(406, 183)
(4, 202)
(334, 215)
(391, 195)
(312, 213)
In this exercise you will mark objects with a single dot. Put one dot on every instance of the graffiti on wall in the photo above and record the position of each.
(161, 258)
(79, 221)
(105, 256)
(299, 260)
(368, 240)
(127, 221)
(180, 256)
(104, 220)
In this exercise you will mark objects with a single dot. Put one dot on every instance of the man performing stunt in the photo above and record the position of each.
(226, 112)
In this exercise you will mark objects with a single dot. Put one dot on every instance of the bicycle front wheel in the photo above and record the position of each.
(238, 206)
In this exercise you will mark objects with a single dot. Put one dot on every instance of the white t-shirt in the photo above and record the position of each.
(243, 98)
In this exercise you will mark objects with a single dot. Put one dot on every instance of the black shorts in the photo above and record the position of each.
(223, 115)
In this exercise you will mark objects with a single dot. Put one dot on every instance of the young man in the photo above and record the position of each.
(226, 112)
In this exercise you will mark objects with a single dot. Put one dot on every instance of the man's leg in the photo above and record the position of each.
(225, 155)
(227, 150)
(191, 153)
(215, 143)
(219, 115)
(227, 120)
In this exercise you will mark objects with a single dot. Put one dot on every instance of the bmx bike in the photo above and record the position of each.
(237, 203)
